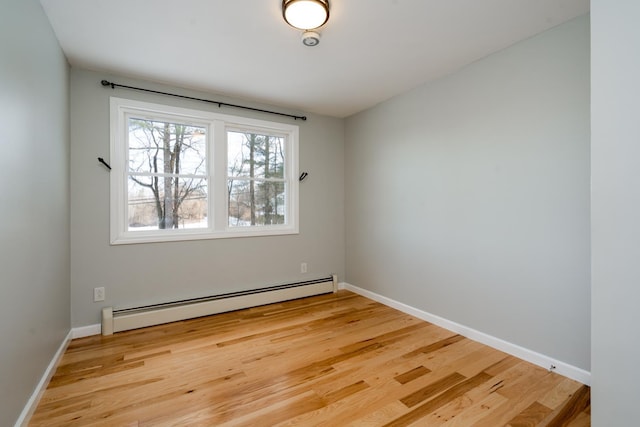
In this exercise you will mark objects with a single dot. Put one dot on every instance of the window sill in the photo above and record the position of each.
(137, 237)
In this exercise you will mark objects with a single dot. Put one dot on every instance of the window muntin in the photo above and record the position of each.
(181, 174)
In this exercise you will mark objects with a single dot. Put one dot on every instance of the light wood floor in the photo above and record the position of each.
(331, 360)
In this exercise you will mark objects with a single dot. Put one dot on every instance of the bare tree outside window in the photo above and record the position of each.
(256, 179)
(167, 175)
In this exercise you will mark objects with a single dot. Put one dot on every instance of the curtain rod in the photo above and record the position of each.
(220, 104)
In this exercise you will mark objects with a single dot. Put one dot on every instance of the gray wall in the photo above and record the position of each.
(615, 207)
(469, 197)
(34, 201)
(156, 272)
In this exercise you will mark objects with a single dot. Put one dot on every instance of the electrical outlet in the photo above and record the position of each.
(303, 267)
(98, 294)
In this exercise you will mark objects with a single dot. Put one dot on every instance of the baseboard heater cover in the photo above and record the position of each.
(117, 320)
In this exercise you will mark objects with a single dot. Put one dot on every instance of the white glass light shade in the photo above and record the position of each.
(305, 14)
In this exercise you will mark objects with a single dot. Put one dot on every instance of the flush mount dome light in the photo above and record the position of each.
(305, 14)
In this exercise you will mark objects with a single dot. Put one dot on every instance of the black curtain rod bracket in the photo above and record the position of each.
(220, 104)
(101, 160)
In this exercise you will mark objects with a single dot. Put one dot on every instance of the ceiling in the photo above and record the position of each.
(370, 50)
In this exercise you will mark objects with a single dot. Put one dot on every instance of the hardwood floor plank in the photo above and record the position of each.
(558, 395)
(528, 384)
(582, 420)
(436, 346)
(280, 411)
(412, 374)
(468, 413)
(440, 400)
(432, 390)
(451, 357)
(473, 403)
(379, 417)
(578, 403)
(334, 396)
(531, 416)
(331, 360)
(504, 364)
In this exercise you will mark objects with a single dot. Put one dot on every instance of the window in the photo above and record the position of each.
(181, 174)
(255, 178)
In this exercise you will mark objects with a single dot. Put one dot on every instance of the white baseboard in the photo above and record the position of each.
(531, 356)
(86, 331)
(32, 403)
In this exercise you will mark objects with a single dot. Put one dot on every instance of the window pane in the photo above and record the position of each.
(256, 203)
(163, 147)
(255, 155)
(157, 203)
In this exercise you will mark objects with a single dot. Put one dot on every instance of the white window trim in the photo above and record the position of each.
(217, 126)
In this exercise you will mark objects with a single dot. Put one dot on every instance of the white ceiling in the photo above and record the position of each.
(370, 50)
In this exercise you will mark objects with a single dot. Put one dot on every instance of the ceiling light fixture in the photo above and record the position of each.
(305, 14)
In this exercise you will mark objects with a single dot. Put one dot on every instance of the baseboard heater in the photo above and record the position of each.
(116, 320)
